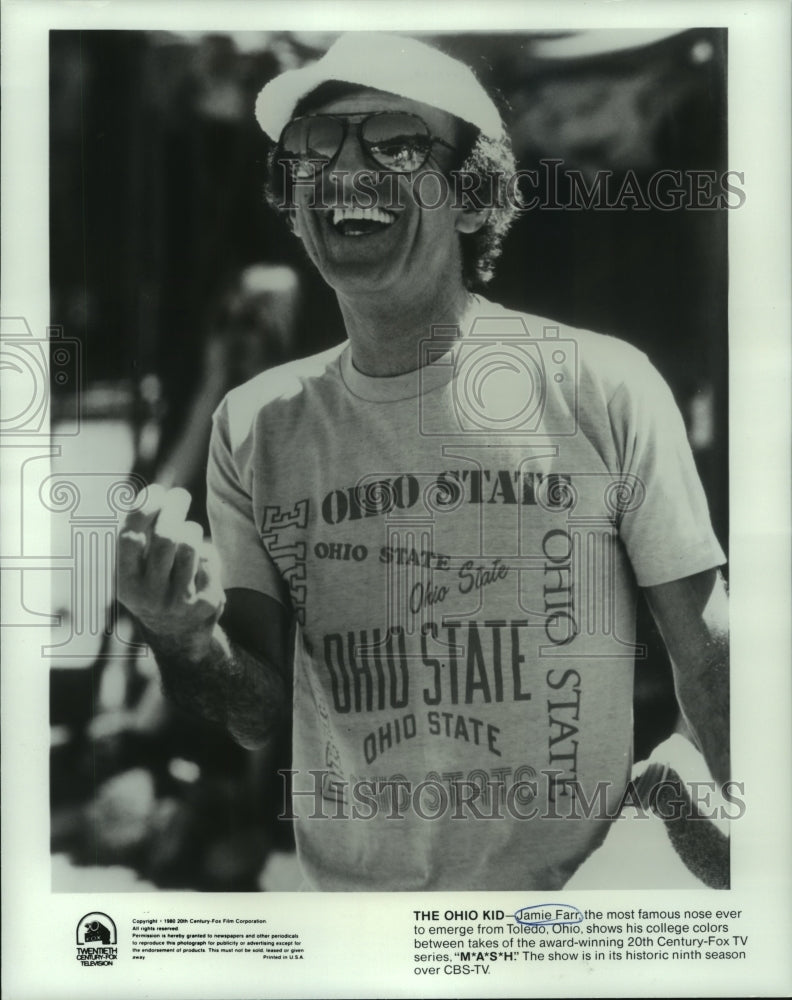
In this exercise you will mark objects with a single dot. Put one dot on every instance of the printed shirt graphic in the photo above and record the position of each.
(460, 546)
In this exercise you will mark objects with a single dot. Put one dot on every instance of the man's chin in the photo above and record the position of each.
(359, 265)
(350, 282)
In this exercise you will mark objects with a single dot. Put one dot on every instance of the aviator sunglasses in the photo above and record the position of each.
(396, 141)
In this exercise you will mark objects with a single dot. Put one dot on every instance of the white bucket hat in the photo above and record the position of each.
(386, 62)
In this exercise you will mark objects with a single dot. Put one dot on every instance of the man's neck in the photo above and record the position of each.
(386, 338)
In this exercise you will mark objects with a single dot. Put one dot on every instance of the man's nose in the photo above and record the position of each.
(350, 156)
(337, 181)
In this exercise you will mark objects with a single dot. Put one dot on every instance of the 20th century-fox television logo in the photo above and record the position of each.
(96, 940)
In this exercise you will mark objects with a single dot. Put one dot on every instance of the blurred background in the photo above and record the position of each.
(176, 283)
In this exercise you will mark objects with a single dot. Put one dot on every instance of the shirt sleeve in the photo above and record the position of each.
(245, 561)
(663, 515)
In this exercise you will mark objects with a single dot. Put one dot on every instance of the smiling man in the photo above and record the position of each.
(430, 538)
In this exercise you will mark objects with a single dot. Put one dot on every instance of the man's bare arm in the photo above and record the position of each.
(235, 675)
(692, 615)
(245, 693)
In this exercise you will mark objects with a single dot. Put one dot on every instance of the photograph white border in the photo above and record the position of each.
(360, 945)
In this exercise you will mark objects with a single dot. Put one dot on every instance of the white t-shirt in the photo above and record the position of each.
(460, 546)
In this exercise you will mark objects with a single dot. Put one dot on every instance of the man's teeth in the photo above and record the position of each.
(367, 214)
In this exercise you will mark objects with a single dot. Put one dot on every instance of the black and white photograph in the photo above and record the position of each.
(427, 539)
(376, 451)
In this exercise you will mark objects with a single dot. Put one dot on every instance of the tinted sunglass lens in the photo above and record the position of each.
(397, 142)
(310, 143)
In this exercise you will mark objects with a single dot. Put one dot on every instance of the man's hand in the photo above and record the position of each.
(693, 617)
(168, 576)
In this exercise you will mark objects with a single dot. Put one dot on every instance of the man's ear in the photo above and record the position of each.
(470, 220)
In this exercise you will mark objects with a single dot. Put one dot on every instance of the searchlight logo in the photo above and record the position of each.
(96, 940)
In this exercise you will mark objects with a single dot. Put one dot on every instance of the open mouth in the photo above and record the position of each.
(361, 221)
